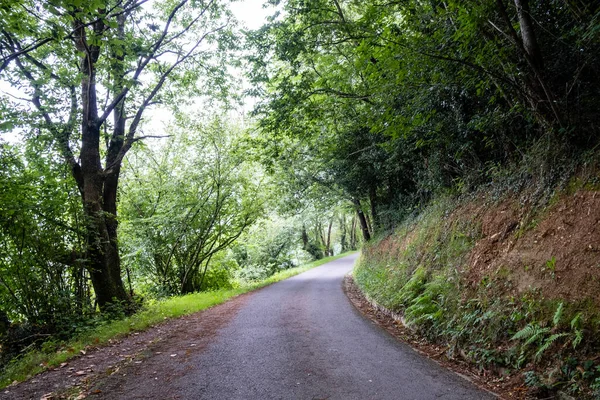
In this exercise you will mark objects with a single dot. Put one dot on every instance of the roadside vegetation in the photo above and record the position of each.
(103, 330)
(508, 288)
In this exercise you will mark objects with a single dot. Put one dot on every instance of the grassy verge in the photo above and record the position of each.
(37, 361)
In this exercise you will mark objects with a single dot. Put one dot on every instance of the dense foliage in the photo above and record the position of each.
(42, 274)
(85, 73)
(192, 200)
(393, 102)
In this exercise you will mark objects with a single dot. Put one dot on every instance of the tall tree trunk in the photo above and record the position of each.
(362, 219)
(343, 236)
(353, 233)
(369, 224)
(328, 243)
(304, 238)
(530, 42)
(373, 204)
(99, 195)
(319, 233)
(543, 99)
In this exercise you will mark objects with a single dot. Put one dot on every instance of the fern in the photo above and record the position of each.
(576, 321)
(578, 338)
(539, 334)
(523, 333)
(531, 333)
(547, 343)
(576, 324)
(558, 314)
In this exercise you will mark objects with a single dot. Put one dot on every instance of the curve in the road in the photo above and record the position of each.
(302, 339)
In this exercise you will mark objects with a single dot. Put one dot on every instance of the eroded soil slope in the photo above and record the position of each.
(510, 288)
(556, 252)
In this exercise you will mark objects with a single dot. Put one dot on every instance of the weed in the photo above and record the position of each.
(551, 264)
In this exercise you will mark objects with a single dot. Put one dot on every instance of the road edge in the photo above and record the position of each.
(392, 323)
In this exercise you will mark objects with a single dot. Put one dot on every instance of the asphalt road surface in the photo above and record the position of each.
(297, 339)
(302, 339)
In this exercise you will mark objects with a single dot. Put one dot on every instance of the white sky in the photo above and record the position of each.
(251, 13)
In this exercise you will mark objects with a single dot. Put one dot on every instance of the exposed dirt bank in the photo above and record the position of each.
(556, 252)
(511, 289)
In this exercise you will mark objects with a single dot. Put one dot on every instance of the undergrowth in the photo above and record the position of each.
(53, 353)
(419, 271)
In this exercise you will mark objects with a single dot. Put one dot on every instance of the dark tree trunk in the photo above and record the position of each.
(530, 42)
(373, 204)
(353, 234)
(99, 193)
(188, 287)
(319, 234)
(362, 219)
(304, 238)
(103, 258)
(368, 222)
(543, 100)
(328, 249)
(344, 235)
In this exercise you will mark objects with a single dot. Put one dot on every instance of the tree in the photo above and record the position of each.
(81, 63)
(394, 103)
(267, 247)
(186, 202)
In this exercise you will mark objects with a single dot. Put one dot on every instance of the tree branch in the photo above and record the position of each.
(28, 49)
(129, 140)
(62, 136)
(143, 62)
(344, 95)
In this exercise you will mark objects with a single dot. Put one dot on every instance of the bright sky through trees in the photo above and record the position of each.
(250, 13)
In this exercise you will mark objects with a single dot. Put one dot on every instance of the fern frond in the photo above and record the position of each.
(538, 333)
(524, 333)
(547, 343)
(578, 338)
(576, 321)
(531, 333)
(558, 314)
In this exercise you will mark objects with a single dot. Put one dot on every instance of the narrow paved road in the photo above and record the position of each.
(302, 339)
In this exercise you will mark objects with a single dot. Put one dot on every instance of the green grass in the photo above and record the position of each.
(37, 361)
